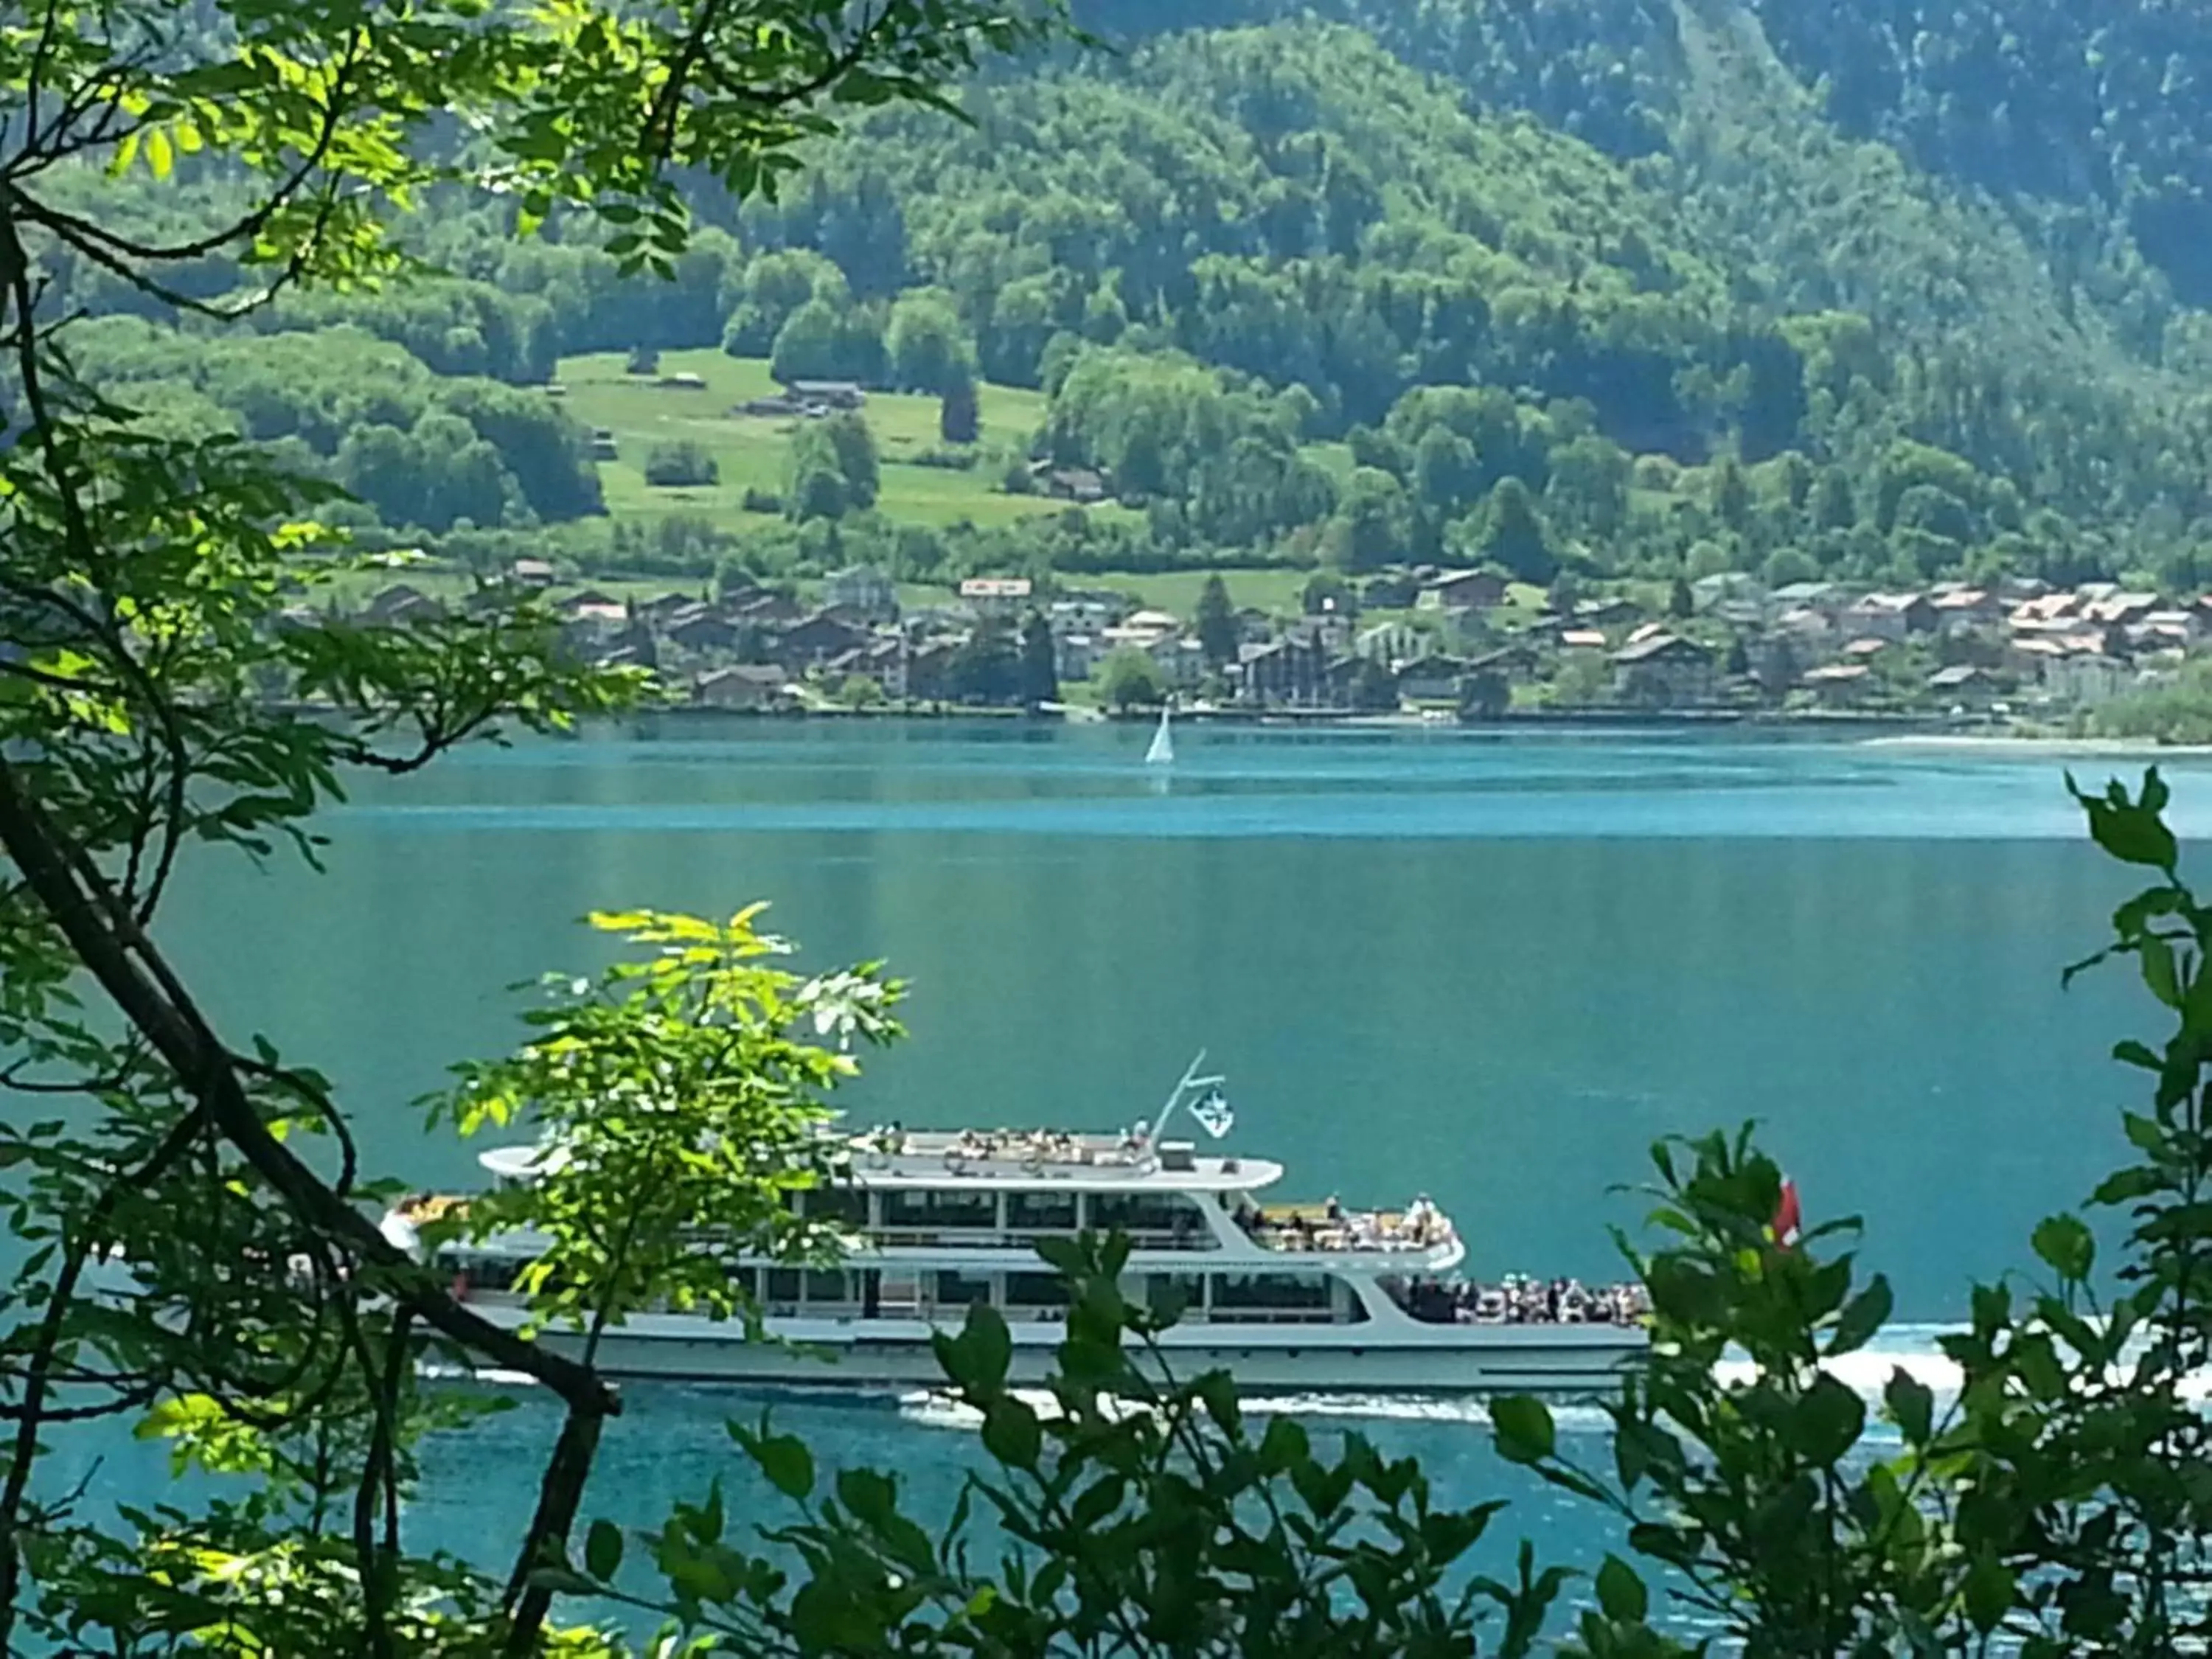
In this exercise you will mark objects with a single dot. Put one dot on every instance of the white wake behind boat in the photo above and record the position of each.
(1162, 753)
(1309, 1298)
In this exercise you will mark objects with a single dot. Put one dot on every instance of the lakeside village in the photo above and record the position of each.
(1423, 641)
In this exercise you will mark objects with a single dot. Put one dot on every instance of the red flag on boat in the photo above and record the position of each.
(1789, 1219)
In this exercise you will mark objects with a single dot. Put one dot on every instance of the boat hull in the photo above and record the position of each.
(1558, 1360)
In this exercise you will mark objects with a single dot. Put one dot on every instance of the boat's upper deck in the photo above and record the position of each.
(1015, 1158)
(1000, 1160)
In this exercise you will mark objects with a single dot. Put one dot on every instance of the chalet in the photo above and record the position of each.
(1395, 591)
(761, 607)
(1073, 654)
(819, 395)
(816, 639)
(700, 629)
(744, 685)
(2119, 610)
(1963, 608)
(1290, 672)
(591, 605)
(682, 382)
(1727, 587)
(1388, 643)
(1662, 670)
(997, 595)
(1840, 685)
(1080, 484)
(1826, 598)
(2086, 680)
(929, 670)
(1434, 678)
(1862, 650)
(1890, 616)
(1606, 613)
(1964, 682)
(401, 603)
(662, 608)
(1462, 590)
(531, 573)
(602, 445)
(864, 590)
(1583, 639)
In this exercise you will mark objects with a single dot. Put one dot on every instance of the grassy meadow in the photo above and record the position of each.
(750, 452)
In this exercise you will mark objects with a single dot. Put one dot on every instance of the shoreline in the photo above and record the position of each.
(1997, 743)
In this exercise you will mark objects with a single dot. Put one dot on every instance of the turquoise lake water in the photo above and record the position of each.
(1492, 969)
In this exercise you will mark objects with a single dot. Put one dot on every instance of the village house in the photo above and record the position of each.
(400, 603)
(1389, 643)
(997, 596)
(1840, 685)
(1290, 671)
(862, 590)
(1606, 613)
(743, 685)
(1806, 625)
(1965, 610)
(763, 607)
(2086, 680)
(1663, 670)
(1073, 655)
(1964, 685)
(2119, 610)
(929, 670)
(1432, 679)
(1462, 590)
(815, 640)
(531, 573)
(1728, 587)
(1827, 599)
(1890, 616)
(1582, 640)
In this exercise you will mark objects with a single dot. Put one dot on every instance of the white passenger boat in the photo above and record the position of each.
(1288, 1297)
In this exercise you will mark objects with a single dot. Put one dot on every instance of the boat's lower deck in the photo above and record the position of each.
(1551, 1360)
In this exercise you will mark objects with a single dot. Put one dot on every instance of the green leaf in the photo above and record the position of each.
(1864, 1314)
(788, 1464)
(1523, 1430)
(1989, 1592)
(1622, 1593)
(2066, 1246)
(990, 1348)
(159, 156)
(2158, 969)
(1011, 1433)
(602, 1549)
(1825, 1421)
(2131, 832)
(1912, 1406)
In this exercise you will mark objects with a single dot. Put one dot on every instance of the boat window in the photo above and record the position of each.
(1270, 1291)
(961, 1290)
(1183, 1294)
(485, 1273)
(1142, 1213)
(1036, 1290)
(937, 1208)
(838, 1202)
(1040, 1211)
(826, 1285)
(782, 1285)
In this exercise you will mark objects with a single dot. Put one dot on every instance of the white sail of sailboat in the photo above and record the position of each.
(1162, 753)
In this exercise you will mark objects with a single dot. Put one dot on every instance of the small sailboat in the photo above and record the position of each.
(1162, 753)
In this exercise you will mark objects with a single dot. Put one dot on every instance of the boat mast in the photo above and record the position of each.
(1191, 1080)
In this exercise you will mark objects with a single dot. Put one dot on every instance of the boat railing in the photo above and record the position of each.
(991, 1238)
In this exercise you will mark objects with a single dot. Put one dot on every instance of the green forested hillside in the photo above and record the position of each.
(1633, 288)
